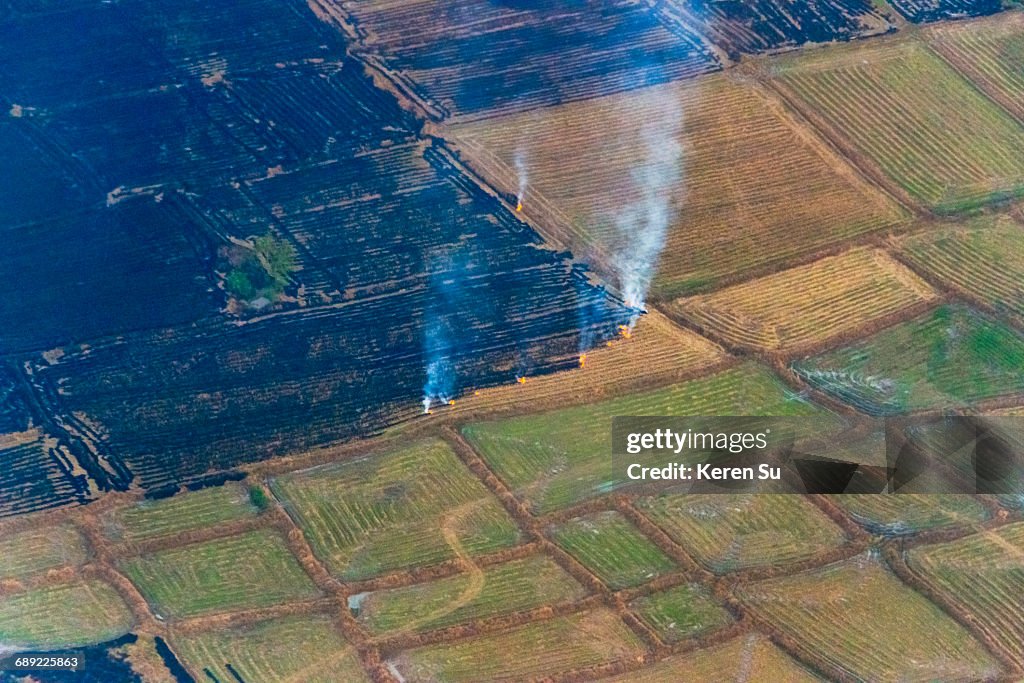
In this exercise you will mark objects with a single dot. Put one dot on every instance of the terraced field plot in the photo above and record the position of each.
(753, 189)
(809, 305)
(411, 507)
(558, 458)
(240, 572)
(933, 10)
(904, 109)
(194, 510)
(536, 650)
(729, 533)
(861, 619)
(36, 550)
(537, 54)
(982, 573)
(908, 513)
(499, 589)
(63, 615)
(985, 260)
(751, 657)
(951, 356)
(681, 612)
(37, 474)
(612, 548)
(306, 648)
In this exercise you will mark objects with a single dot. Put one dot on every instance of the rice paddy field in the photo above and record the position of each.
(681, 612)
(37, 550)
(63, 615)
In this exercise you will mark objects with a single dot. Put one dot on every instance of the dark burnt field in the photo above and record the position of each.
(922, 11)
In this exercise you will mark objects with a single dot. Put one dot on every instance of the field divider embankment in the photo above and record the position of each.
(190, 537)
(806, 656)
(236, 618)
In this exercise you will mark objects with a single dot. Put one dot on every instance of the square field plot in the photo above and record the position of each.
(732, 532)
(138, 264)
(984, 260)
(36, 473)
(612, 548)
(911, 513)
(302, 648)
(859, 618)
(740, 185)
(810, 305)
(34, 551)
(63, 615)
(249, 571)
(410, 507)
(481, 593)
(537, 53)
(184, 512)
(750, 657)
(950, 357)
(901, 109)
(681, 612)
(536, 650)
(558, 458)
(982, 574)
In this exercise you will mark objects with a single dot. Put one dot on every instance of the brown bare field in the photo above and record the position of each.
(809, 305)
(755, 187)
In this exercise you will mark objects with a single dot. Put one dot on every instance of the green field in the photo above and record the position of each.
(612, 548)
(36, 550)
(681, 612)
(72, 614)
(906, 513)
(950, 357)
(509, 587)
(862, 619)
(728, 533)
(306, 649)
(555, 459)
(984, 574)
(910, 113)
(400, 509)
(194, 510)
(240, 572)
(984, 260)
(532, 651)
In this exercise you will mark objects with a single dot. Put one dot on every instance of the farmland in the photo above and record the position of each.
(514, 586)
(809, 305)
(755, 191)
(305, 648)
(247, 571)
(907, 113)
(908, 513)
(681, 612)
(36, 550)
(728, 533)
(558, 458)
(609, 546)
(982, 573)
(37, 474)
(415, 506)
(933, 10)
(525, 652)
(858, 618)
(950, 356)
(63, 615)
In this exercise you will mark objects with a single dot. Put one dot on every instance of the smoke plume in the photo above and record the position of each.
(522, 174)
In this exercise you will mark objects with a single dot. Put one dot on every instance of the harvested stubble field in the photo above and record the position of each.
(36, 550)
(172, 516)
(411, 507)
(681, 612)
(536, 650)
(727, 533)
(858, 618)
(899, 108)
(910, 513)
(755, 186)
(302, 649)
(809, 305)
(612, 548)
(38, 474)
(81, 612)
(982, 574)
(252, 570)
(952, 356)
(751, 657)
(558, 458)
(983, 259)
(495, 590)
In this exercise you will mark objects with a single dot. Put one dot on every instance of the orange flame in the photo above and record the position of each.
(625, 331)
(451, 402)
(521, 380)
(519, 206)
(583, 360)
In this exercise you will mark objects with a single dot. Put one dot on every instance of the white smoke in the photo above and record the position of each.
(643, 224)
(523, 174)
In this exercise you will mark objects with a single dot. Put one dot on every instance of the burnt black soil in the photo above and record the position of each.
(922, 11)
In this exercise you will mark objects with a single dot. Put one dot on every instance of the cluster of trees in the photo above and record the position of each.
(260, 272)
